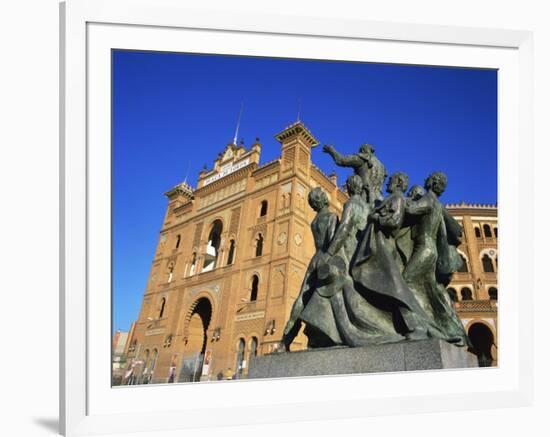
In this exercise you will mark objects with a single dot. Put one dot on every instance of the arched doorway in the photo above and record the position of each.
(239, 367)
(482, 341)
(196, 340)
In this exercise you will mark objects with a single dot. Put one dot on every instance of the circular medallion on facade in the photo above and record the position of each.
(492, 252)
(282, 238)
(298, 239)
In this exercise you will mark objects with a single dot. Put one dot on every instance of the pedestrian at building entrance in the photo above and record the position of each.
(229, 374)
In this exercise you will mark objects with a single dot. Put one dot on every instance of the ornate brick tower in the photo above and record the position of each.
(229, 263)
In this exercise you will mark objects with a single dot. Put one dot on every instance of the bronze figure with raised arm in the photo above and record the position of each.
(367, 166)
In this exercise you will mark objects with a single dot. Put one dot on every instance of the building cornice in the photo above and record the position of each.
(473, 209)
(220, 183)
(464, 205)
(265, 168)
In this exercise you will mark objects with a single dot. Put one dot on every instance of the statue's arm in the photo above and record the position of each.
(419, 207)
(369, 162)
(332, 225)
(454, 230)
(342, 232)
(392, 215)
(345, 160)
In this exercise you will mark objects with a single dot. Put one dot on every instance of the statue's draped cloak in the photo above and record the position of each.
(448, 258)
(338, 310)
(377, 270)
(322, 242)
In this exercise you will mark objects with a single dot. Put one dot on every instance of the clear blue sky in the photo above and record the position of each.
(172, 113)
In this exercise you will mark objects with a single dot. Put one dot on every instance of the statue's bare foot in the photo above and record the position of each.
(417, 334)
(279, 348)
(457, 341)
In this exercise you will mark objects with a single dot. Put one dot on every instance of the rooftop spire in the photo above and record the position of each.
(238, 124)
(299, 108)
(186, 173)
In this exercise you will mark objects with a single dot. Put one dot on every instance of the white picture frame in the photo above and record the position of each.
(88, 405)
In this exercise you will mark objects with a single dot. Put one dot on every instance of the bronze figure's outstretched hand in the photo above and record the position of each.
(328, 148)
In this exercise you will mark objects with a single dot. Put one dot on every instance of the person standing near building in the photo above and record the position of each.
(229, 374)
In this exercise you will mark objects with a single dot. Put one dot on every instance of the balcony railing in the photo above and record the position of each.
(477, 306)
(248, 307)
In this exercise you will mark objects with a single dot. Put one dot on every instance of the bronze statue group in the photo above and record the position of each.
(380, 272)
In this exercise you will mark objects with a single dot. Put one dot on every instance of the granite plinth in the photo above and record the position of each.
(395, 357)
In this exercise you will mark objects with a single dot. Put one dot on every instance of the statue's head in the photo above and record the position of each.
(436, 182)
(398, 182)
(317, 199)
(366, 150)
(416, 192)
(354, 185)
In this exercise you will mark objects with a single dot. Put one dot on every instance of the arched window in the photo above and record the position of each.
(452, 294)
(495, 232)
(286, 200)
(254, 289)
(193, 264)
(487, 264)
(487, 231)
(263, 208)
(259, 245)
(178, 241)
(213, 247)
(145, 364)
(478, 232)
(231, 253)
(464, 267)
(162, 305)
(170, 271)
(493, 293)
(466, 293)
(154, 361)
(254, 347)
(240, 357)
(172, 370)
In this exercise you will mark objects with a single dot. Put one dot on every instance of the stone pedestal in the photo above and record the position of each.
(395, 357)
